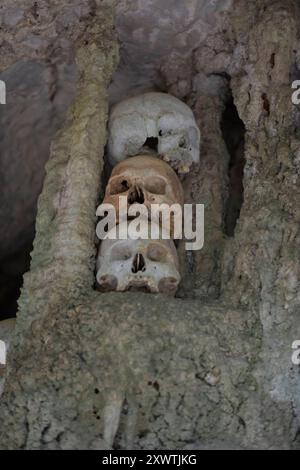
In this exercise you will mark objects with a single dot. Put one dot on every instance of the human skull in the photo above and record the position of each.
(144, 180)
(156, 120)
(137, 264)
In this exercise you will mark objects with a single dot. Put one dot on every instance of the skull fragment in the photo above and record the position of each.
(157, 121)
(137, 264)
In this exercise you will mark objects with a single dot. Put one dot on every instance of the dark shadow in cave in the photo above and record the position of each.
(12, 269)
(233, 130)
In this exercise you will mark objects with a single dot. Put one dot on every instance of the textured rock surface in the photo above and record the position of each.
(158, 42)
(261, 266)
(208, 184)
(116, 370)
(132, 375)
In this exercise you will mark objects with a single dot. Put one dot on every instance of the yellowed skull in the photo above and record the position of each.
(146, 180)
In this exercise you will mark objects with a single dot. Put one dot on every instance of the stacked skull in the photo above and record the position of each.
(150, 136)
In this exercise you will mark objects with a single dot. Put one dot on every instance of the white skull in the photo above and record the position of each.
(156, 120)
(137, 264)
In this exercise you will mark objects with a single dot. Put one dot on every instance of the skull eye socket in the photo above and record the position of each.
(155, 185)
(156, 252)
(121, 252)
(119, 185)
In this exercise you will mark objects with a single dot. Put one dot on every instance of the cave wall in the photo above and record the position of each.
(261, 263)
(38, 67)
(213, 369)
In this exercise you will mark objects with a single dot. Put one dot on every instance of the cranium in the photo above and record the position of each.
(144, 180)
(137, 264)
(156, 120)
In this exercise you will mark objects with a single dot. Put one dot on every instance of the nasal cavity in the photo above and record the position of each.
(151, 143)
(138, 263)
(136, 196)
